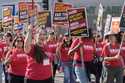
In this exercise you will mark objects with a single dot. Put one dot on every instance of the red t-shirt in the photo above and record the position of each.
(64, 54)
(37, 71)
(99, 48)
(18, 62)
(88, 50)
(52, 49)
(110, 51)
(3, 49)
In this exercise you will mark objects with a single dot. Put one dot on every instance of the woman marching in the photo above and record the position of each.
(5, 45)
(66, 60)
(112, 60)
(78, 60)
(98, 54)
(52, 44)
(16, 60)
(39, 64)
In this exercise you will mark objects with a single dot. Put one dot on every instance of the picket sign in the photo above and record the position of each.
(99, 19)
(115, 25)
(78, 24)
(108, 24)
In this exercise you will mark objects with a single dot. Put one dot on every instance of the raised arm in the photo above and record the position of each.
(75, 45)
(28, 40)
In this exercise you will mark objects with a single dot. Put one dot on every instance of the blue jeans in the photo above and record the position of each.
(68, 72)
(81, 74)
(113, 73)
(1, 72)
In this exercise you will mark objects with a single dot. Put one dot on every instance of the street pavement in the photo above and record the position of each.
(59, 78)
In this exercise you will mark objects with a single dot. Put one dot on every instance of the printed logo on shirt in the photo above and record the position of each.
(46, 62)
(89, 47)
(21, 55)
(114, 51)
(53, 45)
(98, 49)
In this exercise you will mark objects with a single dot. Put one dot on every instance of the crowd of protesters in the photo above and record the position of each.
(34, 58)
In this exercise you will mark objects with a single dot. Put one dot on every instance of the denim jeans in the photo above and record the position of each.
(1, 72)
(81, 74)
(68, 72)
(112, 74)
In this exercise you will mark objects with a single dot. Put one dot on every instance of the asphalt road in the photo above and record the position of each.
(59, 78)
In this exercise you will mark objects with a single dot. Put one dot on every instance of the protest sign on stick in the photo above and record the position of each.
(60, 14)
(108, 24)
(115, 24)
(78, 25)
(122, 20)
(7, 18)
(44, 19)
(99, 19)
(23, 14)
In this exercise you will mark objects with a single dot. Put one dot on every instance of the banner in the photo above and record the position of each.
(44, 19)
(32, 12)
(16, 20)
(60, 14)
(78, 22)
(99, 18)
(115, 24)
(7, 16)
(108, 24)
(122, 20)
(23, 14)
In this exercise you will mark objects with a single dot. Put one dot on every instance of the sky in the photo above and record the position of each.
(76, 3)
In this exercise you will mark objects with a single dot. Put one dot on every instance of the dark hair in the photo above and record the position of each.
(119, 37)
(8, 34)
(39, 54)
(15, 40)
(67, 43)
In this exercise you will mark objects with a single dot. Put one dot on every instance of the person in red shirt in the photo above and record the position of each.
(66, 60)
(112, 60)
(16, 60)
(89, 54)
(76, 50)
(39, 64)
(52, 43)
(98, 53)
(87, 48)
(5, 46)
